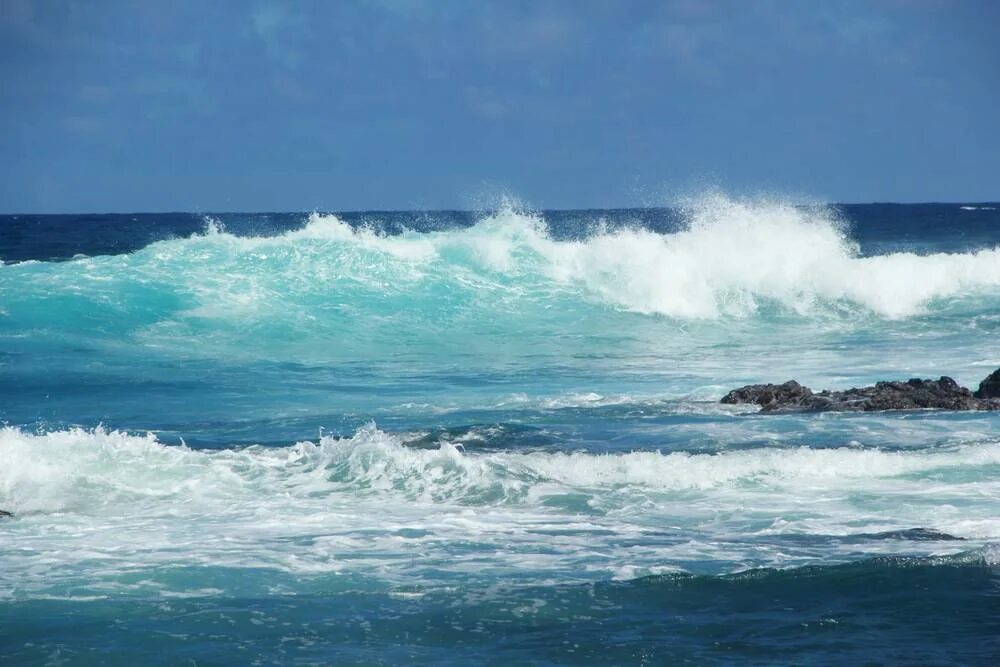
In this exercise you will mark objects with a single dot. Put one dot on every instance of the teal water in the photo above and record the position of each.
(454, 438)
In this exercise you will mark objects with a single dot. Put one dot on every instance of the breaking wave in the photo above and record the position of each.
(733, 258)
(372, 506)
(80, 470)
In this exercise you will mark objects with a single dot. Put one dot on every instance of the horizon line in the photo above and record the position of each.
(479, 210)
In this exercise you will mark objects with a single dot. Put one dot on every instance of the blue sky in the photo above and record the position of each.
(400, 104)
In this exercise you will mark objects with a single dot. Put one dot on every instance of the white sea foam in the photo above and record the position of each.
(505, 289)
(102, 504)
(85, 471)
(732, 256)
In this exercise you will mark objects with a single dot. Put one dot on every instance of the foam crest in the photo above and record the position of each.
(79, 470)
(94, 509)
(801, 466)
(85, 471)
(291, 294)
(733, 258)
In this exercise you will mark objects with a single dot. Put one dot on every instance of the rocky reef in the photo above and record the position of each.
(5, 514)
(913, 394)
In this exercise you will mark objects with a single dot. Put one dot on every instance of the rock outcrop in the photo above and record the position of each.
(4, 514)
(914, 394)
(989, 387)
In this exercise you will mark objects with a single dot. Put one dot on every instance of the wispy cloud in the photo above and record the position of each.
(277, 26)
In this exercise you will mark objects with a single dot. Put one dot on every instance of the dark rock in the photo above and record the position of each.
(770, 396)
(990, 387)
(912, 534)
(913, 394)
(5, 514)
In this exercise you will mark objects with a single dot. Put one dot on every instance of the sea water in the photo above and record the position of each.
(495, 437)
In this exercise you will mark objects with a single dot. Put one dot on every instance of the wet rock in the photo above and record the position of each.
(912, 534)
(990, 387)
(787, 396)
(913, 394)
(4, 514)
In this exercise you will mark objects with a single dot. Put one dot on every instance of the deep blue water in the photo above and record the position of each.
(494, 437)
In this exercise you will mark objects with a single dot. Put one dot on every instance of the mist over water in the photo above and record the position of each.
(509, 415)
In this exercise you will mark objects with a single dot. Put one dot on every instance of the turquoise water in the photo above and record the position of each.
(454, 438)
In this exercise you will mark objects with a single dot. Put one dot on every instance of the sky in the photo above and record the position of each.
(109, 105)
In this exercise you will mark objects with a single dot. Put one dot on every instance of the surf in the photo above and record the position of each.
(730, 258)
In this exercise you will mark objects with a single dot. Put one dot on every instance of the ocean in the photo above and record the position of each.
(494, 437)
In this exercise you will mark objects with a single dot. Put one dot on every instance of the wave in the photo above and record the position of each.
(82, 470)
(732, 259)
(94, 507)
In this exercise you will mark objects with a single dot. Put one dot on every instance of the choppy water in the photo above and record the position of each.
(460, 437)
